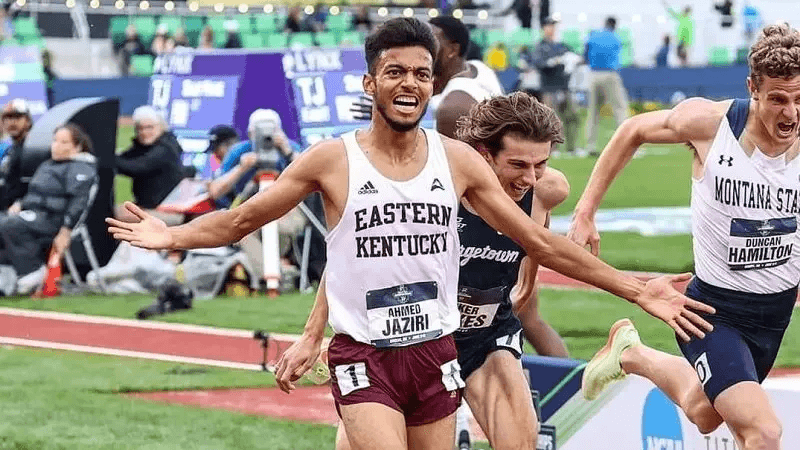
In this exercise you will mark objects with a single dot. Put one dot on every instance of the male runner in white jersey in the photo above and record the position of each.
(745, 204)
(514, 134)
(391, 280)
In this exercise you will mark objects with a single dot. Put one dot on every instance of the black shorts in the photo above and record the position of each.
(748, 330)
(474, 346)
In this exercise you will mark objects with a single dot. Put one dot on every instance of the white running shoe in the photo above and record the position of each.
(605, 368)
(27, 284)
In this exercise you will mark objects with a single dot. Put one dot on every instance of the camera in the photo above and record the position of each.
(264, 146)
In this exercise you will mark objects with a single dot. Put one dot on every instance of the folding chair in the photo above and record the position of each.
(80, 230)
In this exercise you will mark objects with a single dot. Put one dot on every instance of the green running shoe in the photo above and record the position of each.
(605, 368)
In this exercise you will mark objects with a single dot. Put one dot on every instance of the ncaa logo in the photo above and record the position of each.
(702, 368)
(661, 425)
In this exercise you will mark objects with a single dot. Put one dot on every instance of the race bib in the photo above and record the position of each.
(478, 307)
(403, 315)
(761, 244)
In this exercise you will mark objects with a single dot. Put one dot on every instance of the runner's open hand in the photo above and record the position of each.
(660, 299)
(149, 232)
(583, 231)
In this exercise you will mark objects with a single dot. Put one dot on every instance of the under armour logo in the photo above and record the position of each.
(436, 185)
(722, 160)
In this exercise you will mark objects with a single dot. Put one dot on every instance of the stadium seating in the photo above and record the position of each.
(327, 39)
(495, 36)
(742, 54)
(719, 56)
(172, 23)
(117, 28)
(194, 26)
(277, 40)
(301, 39)
(268, 23)
(339, 22)
(252, 41)
(141, 65)
(352, 38)
(573, 39)
(146, 27)
(26, 28)
(245, 23)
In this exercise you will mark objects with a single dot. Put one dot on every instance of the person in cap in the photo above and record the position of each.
(221, 139)
(264, 129)
(17, 122)
(232, 28)
(555, 63)
(153, 162)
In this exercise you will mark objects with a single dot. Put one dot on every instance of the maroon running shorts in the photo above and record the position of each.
(421, 381)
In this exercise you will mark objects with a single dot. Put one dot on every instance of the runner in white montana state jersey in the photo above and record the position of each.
(745, 206)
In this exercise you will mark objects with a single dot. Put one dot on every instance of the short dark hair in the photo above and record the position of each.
(454, 30)
(398, 32)
(611, 22)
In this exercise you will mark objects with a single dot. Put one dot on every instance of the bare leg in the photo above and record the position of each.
(749, 415)
(499, 397)
(373, 425)
(438, 435)
(341, 437)
(677, 379)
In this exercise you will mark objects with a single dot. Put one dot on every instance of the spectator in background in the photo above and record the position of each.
(206, 39)
(663, 53)
(602, 55)
(550, 59)
(529, 80)
(49, 75)
(179, 41)
(17, 122)
(240, 167)
(726, 11)
(153, 162)
(58, 195)
(232, 28)
(361, 20)
(296, 22)
(132, 45)
(320, 16)
(684, 34)
(497, 57)
(159, 45)
(752, 22)
(6, 24)
(220, 140)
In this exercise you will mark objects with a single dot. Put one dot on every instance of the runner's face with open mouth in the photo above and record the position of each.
(402, 86)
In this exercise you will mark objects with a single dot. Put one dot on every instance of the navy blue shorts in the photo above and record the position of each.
(748, 330)
(474, 346)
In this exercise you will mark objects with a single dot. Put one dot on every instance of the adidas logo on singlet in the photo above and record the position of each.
(368, 188)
